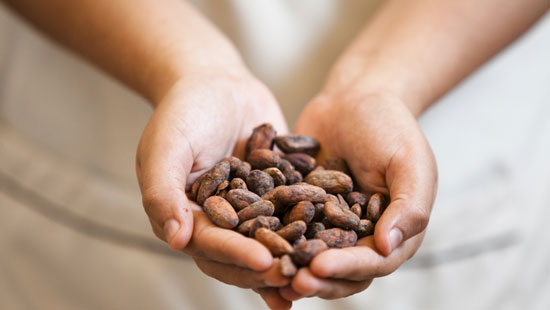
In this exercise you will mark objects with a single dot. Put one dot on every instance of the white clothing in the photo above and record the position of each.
(74, 236)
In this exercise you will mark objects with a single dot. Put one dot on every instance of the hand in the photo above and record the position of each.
(201, 120)
(386, 152)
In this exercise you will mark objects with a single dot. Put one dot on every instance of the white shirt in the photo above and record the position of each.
(73, 233)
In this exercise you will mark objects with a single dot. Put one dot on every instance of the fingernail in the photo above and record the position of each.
(171, 227)
(396, 236)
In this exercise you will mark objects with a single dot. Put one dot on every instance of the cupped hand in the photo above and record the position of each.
(201, 120)
(386, 152)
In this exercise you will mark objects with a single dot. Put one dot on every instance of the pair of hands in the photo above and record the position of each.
(203, 119)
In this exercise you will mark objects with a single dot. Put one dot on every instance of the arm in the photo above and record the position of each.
(146, 44)
(408, 56)
(206, 104)
(418, 50)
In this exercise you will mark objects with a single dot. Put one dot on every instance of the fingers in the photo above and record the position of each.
(362, 261)
(243, 277)
(288, 293)
(412, 181)
(307, 284)
(226, 246)
(273, 299)
(163, 161)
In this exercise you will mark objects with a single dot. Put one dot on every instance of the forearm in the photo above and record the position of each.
(146, 44)
(418, 50)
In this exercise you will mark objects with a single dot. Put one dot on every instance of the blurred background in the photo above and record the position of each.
(73, 233)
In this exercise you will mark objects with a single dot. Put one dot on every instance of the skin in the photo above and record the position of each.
(206, 105)
(409, 55)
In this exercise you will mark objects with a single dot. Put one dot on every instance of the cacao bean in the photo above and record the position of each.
(356, 209)
(301, 239)
(259, 182)
(366, 228)
(263, 159)
(278, 177)
(269, 222)
(319, 212)
(375, 207)
(287, 267)
(307, 250)
(283, 196)
(293, 231)
(262, 207)
(243, 170)
(244, 228)
(337, 238)
(276, 244)
(211, 181)
(303, 210)
(298, 144)
(357, 197)
(261, 138)
(343, 203)
(332, 181)
(238, 183)
(313, 229)
(301, 162)
(341, 217)
(220, 212)
(241, 198)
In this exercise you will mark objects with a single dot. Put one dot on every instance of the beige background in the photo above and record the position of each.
(73, 234)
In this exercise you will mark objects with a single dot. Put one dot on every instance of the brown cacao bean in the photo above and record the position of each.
(259, 182)
(343, 203)
(332, 181)
(319, 212)
(337, 238)
(262, 207)
(303, 210)
(307, 250)
(263, 159)
(293, 231)
(269, 222)
(261, 138)
(222, 188)
(283, 196)
(287, 267)
(241, 198)
(356, 209)
(244, 228)
(357, 197)
(313, 229)
(298, 144)
(375, 207)
(276, 244)
(278, 177)
(301, 162)
(366, 228)
(220, 212)
(301, 239)
(238, 183)
(211, 181)
(243, 170)
(195, 188)
(341, 217)
(234, 163)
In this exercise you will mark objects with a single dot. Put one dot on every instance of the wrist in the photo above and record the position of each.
(194, 67)
(361, 76)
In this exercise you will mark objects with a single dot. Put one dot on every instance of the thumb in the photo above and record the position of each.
(163, 164)
(412, 183)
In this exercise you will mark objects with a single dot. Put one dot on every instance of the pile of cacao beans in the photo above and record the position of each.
(281, 197)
